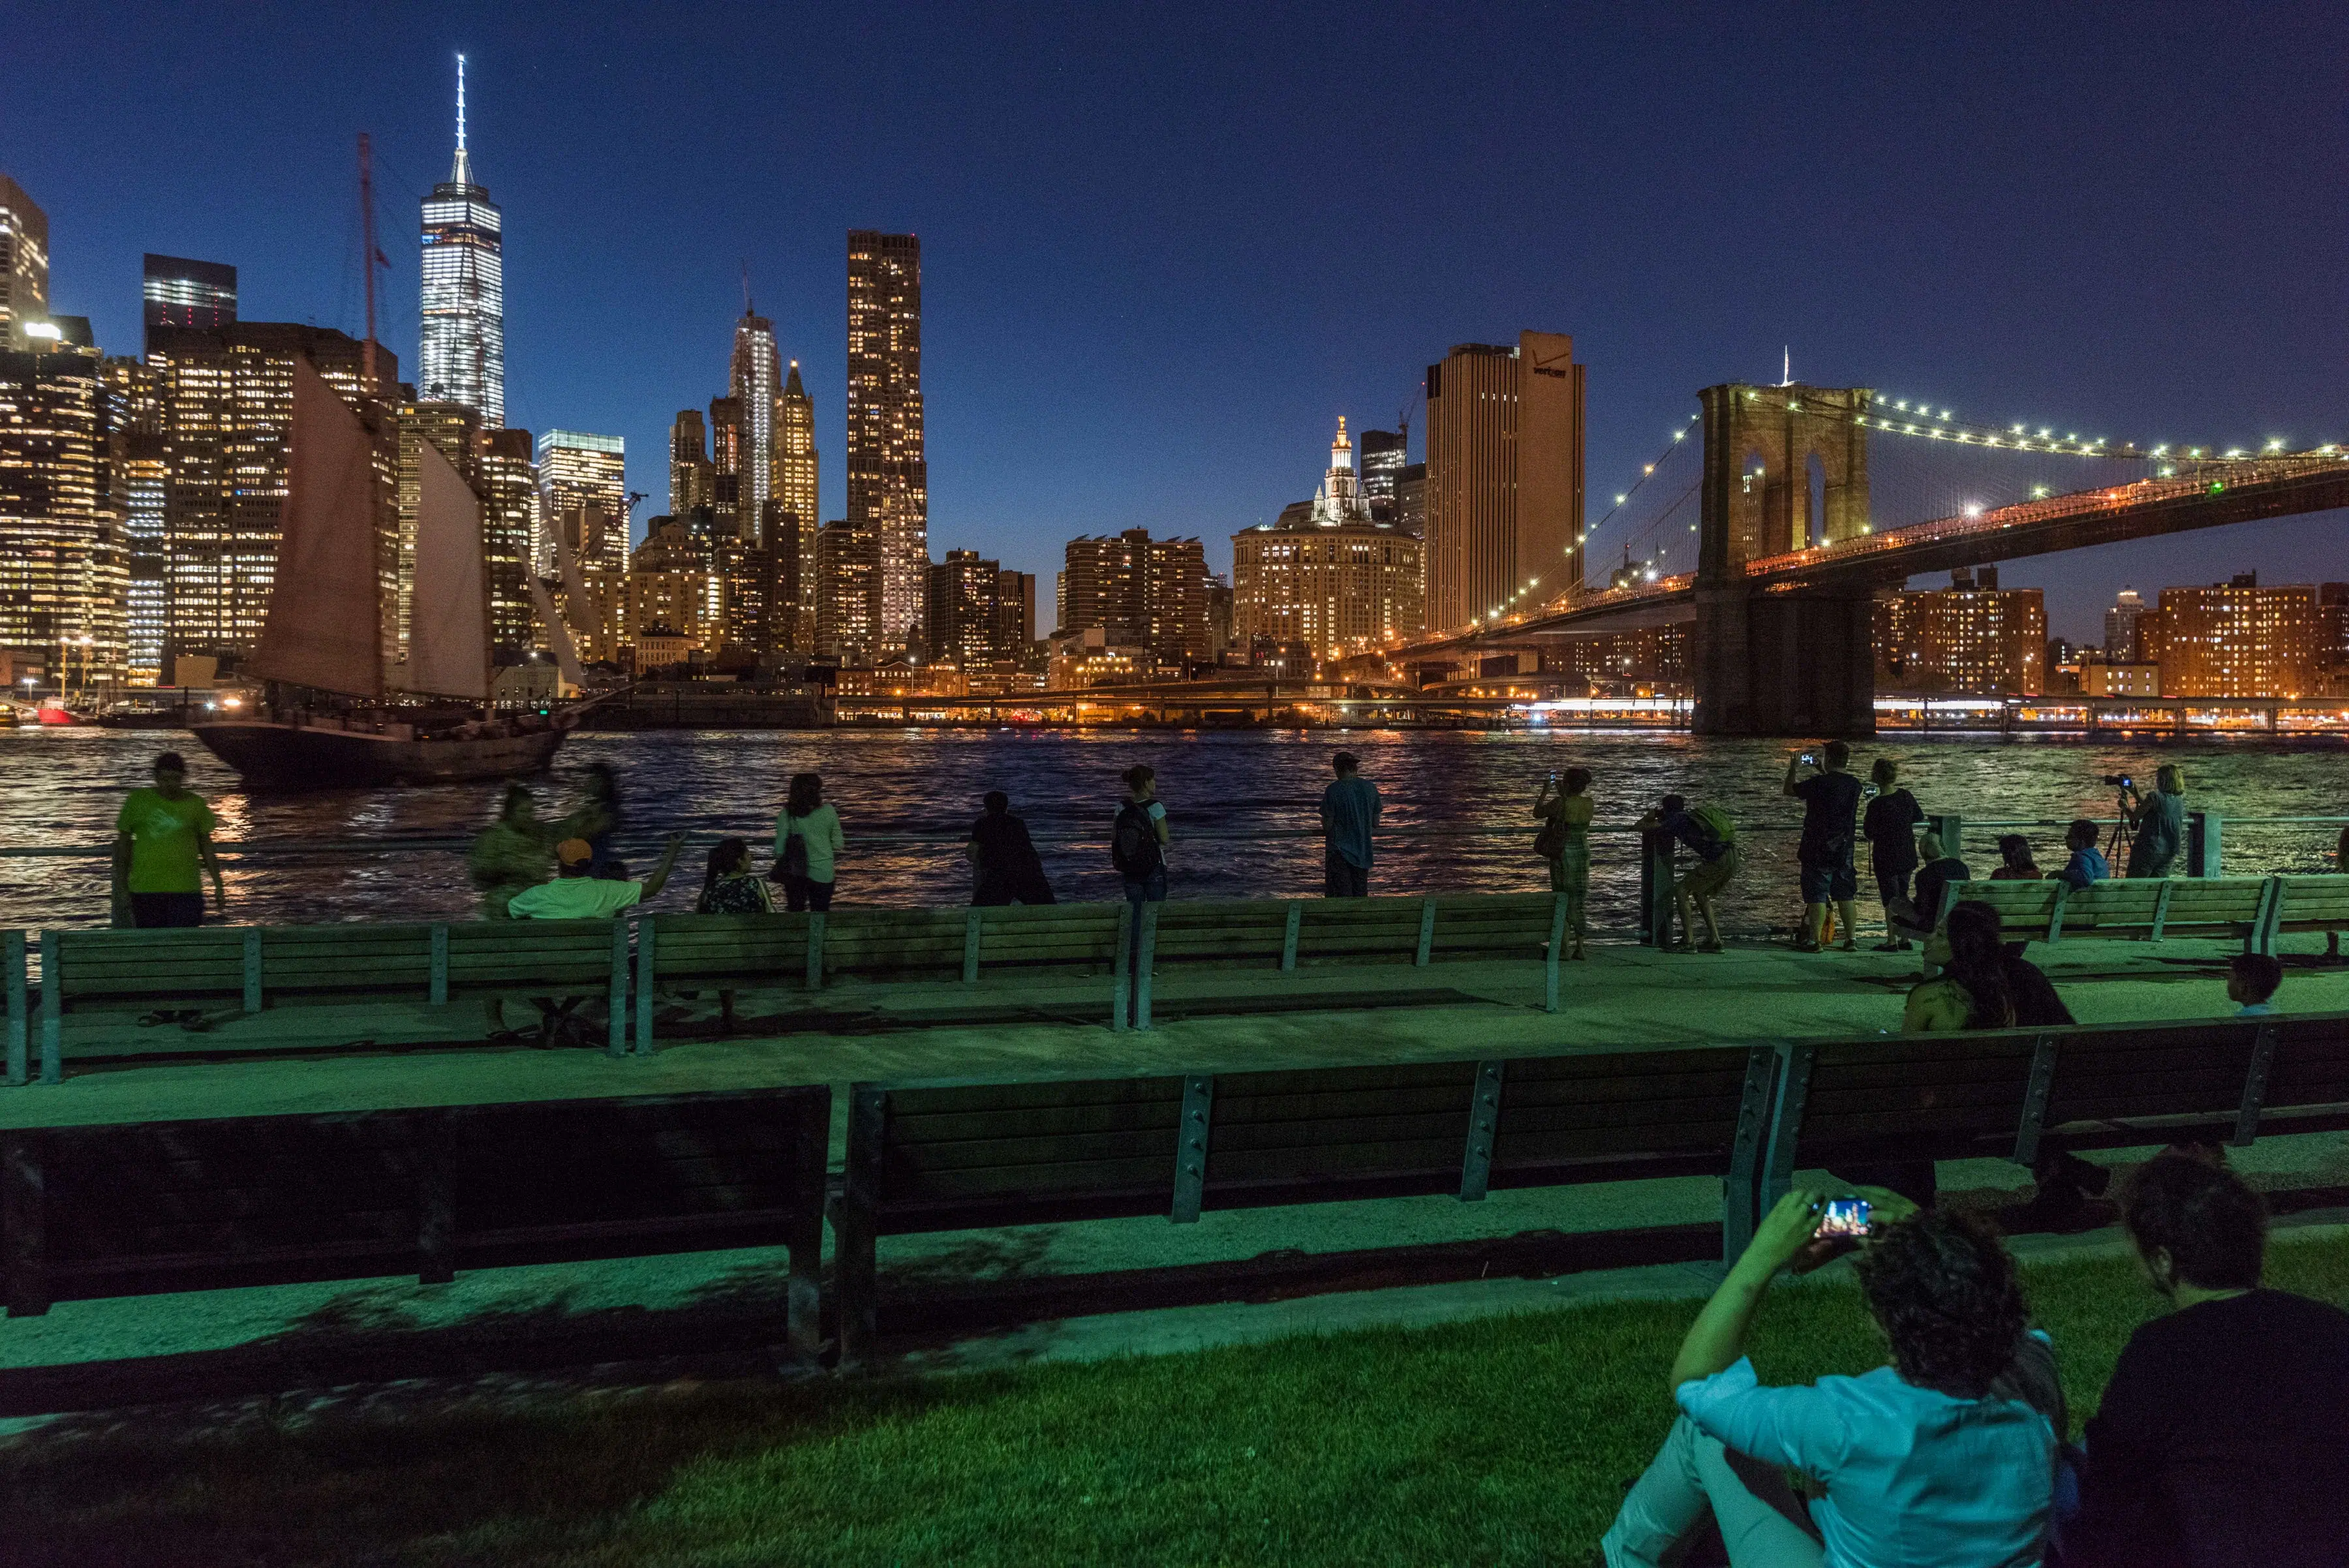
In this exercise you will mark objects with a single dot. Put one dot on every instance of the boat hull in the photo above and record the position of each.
(302, 757)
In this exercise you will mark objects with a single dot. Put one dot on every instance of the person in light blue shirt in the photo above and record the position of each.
(2088, 864)
(1941, 1459)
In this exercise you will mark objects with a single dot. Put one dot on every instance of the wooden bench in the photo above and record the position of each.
(959, 1156)
(2011, 1092)
(166, 1206)
(2318, 903)
(253, 966)
(2232, 907)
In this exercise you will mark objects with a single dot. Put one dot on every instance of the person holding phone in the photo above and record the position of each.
(1830, 798)
(1941, 1457)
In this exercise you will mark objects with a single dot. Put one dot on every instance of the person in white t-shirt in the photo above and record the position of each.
(575, 894)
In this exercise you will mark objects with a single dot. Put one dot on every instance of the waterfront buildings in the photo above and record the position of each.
(1972, 637)
(462, 348)
(888, 475)
(751, 382)
(506, 480)
(1504, 484)
(1015, 598)
(583, 510)
(23, 265)
(226, 402)
(64, 567)
(2236, 638)
(1138, 592)
(2108, 678)
(1327, 573)
(143, 474)
(848, 568)
(674, 594)
(964, 617)
(726, 464)
(2120, 627)
(795, 494)
(1384, 455)
(175, 291)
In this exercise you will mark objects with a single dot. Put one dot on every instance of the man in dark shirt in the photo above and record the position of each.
(1830, 798)
(2223, 1438)
(1941, 872)
(1004, 864)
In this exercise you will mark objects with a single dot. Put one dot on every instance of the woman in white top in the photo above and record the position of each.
(1944, 1458)
(807, 840)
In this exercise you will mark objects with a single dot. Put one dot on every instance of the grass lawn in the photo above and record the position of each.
(1504, 1441)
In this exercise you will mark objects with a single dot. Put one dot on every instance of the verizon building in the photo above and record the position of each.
(1504, 477)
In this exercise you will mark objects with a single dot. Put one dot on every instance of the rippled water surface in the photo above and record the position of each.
(1241, 804)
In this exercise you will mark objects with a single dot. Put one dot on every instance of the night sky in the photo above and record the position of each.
(1165, 246)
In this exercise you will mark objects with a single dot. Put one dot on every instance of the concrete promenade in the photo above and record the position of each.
(309, 1059)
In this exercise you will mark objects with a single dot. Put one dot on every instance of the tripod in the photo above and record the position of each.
(2120, 830)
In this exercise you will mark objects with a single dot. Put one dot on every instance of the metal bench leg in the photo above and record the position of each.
(1738, 1213)
(645, 966)
(53, 1007)
(1191, 1147)
(1146, 962)
(12, 958)
(1549, 963)
(24, 1214)
(855, 1226)
(803, 1290)
(617, 1036)
(1120, 966)
(436, 1205)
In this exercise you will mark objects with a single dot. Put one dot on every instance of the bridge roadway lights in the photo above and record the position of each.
(1799, 664)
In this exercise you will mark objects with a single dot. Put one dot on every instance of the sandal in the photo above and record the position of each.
(1806, 947)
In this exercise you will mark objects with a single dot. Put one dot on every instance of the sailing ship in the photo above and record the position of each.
(425, 719)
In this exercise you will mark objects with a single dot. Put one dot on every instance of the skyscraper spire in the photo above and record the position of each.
(461, 171)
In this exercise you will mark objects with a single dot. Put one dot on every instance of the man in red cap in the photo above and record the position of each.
(576, 895)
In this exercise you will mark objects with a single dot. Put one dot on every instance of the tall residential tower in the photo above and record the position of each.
(751, 382)
(888, 478)
(462, 352)
(795, 491)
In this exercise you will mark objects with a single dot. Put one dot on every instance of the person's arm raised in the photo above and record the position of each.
(1717, 1338)
(660, 878)
(1794, 772)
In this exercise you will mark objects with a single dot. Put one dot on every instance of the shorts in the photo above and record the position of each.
(1830, 879)
(1892, 886)
(1708, 877)
(150, 910)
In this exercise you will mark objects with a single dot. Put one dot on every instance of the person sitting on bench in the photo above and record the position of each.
(2087, 864)
(578, 895)
(2223, 1435)
(1938, 1458)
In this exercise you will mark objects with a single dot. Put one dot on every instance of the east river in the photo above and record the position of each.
(1241, 805)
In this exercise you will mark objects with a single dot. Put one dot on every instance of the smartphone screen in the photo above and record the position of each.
(1844, 1217)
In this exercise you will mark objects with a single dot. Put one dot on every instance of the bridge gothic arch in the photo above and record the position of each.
(1796, 463)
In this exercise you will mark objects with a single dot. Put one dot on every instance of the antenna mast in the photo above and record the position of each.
(368, 254)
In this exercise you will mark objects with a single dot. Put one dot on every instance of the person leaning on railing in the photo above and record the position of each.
(1945, 1456)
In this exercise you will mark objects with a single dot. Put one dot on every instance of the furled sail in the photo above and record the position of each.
(449, 614)
(567, 656)
(325, 610)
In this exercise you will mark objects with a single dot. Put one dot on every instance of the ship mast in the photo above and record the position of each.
(369, 256)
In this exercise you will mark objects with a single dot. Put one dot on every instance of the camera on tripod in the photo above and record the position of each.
(2120, 781)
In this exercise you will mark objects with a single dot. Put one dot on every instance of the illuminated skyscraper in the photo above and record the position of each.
(689, 474)
(795, 491)
(752, 383)
(23, 263)
(583, 508)
(1504, 477)
(507, 485)
(888, 477)
(177, 292)
(144, 470)
(63, 570)
(461, 353)
(1325, 573)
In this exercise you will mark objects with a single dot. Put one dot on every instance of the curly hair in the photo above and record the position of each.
(1945, 1291)
(2212, 1223)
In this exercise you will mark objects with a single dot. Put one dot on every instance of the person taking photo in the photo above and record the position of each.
(2157, 821)
(1830, 798)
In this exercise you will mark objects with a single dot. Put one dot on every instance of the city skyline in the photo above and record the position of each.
(2088, 329)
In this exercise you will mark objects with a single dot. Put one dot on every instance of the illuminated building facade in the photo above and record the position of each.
(64, 570)
(848, 567)
(1504, 486)
(1384, 456)
(2120, 627)
(461, 349)
(506, 479)
(227, 404)
(1327, 573)
(672, 583)
(752, 383)
(1972, 637)
(888, 476)
(23, 264)
(144, 470)
(2236, 638)
(964, 614)
(177, 292)
(1015, 600)
(690, 477)
(795, 494)
(583, 508)
(725, 467)
(1138, 592)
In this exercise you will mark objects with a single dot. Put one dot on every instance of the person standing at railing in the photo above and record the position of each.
(1890, 829)
(1709, 833)
(1830, 798)
(1005, 867)
(1349, 816)
(513, 852)
(1138, 848)
(162, 848)
(808, 842)
(1565, 809)
(2158, 822)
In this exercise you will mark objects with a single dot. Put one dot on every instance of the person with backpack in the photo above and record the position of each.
(808, 841)
(1713, 837)
(1138, 839)
(1830, 798)
(1564, 808)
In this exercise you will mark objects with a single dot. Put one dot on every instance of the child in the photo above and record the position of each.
(2252, 980)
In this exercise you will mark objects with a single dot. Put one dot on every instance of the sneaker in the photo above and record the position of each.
(1806, 947)
(1895, 946)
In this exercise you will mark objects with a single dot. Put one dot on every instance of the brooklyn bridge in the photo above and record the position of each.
(1772, 533)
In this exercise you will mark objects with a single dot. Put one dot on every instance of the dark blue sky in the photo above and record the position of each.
(1164, 247)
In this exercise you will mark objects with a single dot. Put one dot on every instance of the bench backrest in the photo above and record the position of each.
(199, 962)
(2170, 906)
(2313, 904)
(560, 955)
(117, 1210)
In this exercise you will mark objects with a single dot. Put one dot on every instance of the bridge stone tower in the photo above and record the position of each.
(1785, 468)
